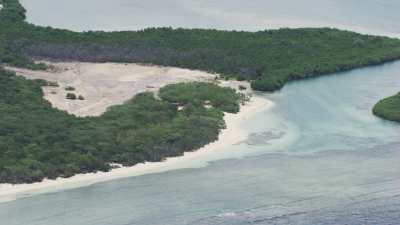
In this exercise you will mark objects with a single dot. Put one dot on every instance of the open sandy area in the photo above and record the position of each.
(106, 84)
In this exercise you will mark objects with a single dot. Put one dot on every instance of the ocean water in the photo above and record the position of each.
(318, 156)
(367, 16)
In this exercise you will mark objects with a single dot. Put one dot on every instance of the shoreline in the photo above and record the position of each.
(233, 134)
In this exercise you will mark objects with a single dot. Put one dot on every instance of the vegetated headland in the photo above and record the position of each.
(38, 141)
(389, 108)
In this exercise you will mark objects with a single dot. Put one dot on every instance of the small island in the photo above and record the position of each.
(388, 108)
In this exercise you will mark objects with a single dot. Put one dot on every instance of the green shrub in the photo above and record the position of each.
(71, 96)
(242, 87)
(69, 88)
(52, 84)
(197, 93)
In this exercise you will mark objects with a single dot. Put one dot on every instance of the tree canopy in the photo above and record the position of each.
(268, 59)
(38, 141)
(389, 108)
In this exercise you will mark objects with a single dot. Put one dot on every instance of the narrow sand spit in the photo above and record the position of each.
(233, 134)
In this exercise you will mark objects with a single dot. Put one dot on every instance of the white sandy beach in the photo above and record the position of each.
(231, 135)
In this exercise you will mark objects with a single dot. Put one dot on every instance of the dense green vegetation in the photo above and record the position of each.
(12, 12)
(198, 94)
(388, 108)
(38, 141)
(268, 58)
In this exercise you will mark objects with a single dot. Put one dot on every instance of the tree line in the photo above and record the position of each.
(268, 59)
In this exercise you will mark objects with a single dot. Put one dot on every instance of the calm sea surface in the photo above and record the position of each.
(368, 16)
(317, 157)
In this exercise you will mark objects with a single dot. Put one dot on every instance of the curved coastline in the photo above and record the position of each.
(233, 134)
(337, 164)
(388, 108)
(221, 137)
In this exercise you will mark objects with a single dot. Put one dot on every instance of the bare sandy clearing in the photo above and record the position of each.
(106, 84)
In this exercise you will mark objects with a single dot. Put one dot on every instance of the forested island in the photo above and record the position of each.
(389, 108)
(38, 141)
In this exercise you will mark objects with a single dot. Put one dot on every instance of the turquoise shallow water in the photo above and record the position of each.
(317, 157)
